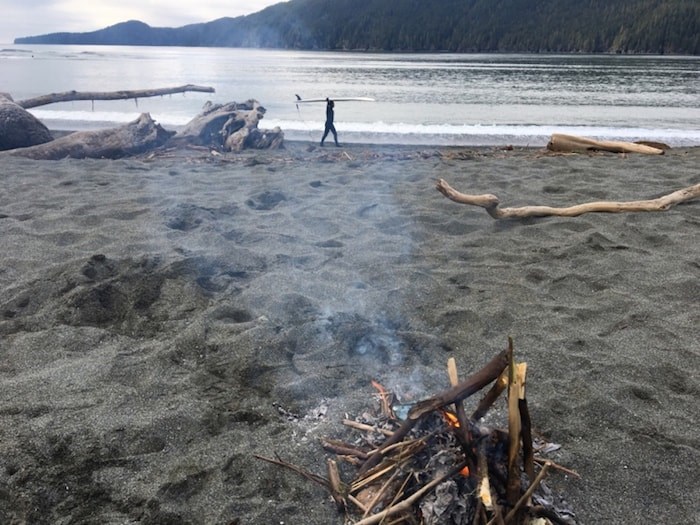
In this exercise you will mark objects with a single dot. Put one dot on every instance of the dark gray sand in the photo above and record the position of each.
(161, 318)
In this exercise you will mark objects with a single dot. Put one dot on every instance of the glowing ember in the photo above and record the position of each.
(385, 398)
(451, 418)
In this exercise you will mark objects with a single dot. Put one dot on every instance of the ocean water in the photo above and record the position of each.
(430, 99)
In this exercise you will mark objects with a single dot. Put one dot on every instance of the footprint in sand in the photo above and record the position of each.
(266, 200)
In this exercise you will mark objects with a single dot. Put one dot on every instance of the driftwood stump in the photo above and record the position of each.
(230, 127)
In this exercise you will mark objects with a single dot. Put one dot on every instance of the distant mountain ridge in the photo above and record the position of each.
(569, 26)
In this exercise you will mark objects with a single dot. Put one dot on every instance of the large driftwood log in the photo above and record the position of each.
(139, 136)
(572, 143)
(70, 96)
(490, 203)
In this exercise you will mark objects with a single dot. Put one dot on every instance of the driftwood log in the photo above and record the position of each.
(490, 203)
(71, 96)
(572, 143)
(139, 136)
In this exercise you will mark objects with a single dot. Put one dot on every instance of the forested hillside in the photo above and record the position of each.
(590, 26)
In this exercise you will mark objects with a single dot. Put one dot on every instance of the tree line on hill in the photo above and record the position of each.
(541, 26)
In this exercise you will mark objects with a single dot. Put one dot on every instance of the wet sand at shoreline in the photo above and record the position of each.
(161, 318)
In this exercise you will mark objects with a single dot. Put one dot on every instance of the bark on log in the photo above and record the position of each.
(70, 96)
(572, 143)
(490, 203)
(139, 136)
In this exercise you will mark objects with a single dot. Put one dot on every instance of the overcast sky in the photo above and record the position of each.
(37, 17)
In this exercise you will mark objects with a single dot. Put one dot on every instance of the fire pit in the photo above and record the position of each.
(434, 465)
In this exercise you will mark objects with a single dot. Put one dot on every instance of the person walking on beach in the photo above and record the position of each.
(330, 114)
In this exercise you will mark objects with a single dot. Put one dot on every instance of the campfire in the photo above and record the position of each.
(436, 465)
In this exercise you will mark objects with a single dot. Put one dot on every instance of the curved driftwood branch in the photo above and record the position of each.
(69, 96)
(490, 204)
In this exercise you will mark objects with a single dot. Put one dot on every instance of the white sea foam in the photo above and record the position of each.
(390, 132)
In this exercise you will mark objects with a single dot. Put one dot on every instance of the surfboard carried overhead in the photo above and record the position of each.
(300, 100)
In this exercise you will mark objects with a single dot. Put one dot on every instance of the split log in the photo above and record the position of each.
(70, 96)
(490, 203)
(572, 143)
(139, 136)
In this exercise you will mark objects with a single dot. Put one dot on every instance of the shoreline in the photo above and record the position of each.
(166, 317)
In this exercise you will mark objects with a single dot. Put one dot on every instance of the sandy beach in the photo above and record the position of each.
(163, 319)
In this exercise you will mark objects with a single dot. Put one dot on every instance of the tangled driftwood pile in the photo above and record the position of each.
(438, 466)
(223, 127)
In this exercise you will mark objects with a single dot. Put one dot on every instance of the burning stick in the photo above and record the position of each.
(463, 390)
(491, 396)
(516, 391)
(385, 399)
(461, 429)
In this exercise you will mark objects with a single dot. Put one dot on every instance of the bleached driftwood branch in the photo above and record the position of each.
(490, 203)
(572, 143)
(70, 96)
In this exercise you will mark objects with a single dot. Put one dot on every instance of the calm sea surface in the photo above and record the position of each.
(446, 99)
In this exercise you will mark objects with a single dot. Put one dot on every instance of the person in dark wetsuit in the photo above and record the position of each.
(329, 122)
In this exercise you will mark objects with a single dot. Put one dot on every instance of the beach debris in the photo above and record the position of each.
(438, 466)
(572, 143)
(491, 203)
